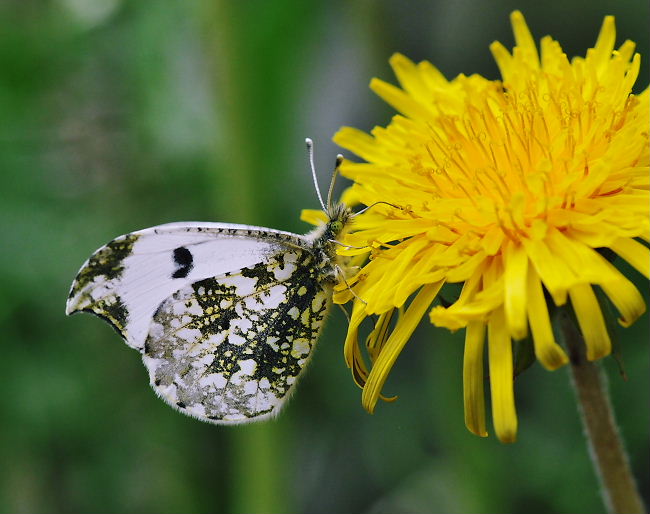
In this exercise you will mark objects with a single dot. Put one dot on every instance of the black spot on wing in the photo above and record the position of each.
(184, 260)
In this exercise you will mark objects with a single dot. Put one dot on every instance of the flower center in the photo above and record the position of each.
(516, 158)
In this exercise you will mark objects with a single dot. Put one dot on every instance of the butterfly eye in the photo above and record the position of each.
(336, 226)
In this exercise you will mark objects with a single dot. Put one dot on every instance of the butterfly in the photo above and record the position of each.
(225, 316)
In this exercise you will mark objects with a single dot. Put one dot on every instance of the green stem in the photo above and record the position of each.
(228, 66)
(608, 456)
(259, 468)
(258, 464)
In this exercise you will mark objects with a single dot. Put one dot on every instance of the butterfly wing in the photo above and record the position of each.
(126, 280)
(228, 349)
(225, 316)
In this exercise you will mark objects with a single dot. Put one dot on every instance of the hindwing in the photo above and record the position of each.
(229, 348)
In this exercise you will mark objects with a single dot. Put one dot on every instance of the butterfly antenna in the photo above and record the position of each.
(376, 203)
(339, 161)
(310, 152)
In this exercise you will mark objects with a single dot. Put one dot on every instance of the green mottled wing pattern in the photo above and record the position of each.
(228, 349)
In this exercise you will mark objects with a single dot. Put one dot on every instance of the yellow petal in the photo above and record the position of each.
(398, 338)
(547, 351)
(584, 261)
(462, 272)
(591, 321)
(553, 272)
(632, 74)
(501, 378)
(524, 39)
(431, 75)
(391, 279)
(362, 144)
(409, 77)
(602, 51)
(515, 290)
(475, 306)
(621, 291)
(313, 216)
(401, 101)
(350, 196)
(351, 351)
(626, 297)
(377, 338)
(635, 253)
(493, 240)
(417, 274)
(473, 395)
(502, 57)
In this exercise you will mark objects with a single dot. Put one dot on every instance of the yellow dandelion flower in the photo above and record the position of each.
(512, 188)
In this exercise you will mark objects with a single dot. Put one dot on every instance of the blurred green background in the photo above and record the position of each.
(121, 114)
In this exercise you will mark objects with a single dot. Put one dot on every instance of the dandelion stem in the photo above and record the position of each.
(608, 455)
(256, 470)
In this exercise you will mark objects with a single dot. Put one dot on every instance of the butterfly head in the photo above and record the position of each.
(338, 217)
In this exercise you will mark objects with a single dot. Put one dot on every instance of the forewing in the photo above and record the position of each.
(228, 349)
(125, 281)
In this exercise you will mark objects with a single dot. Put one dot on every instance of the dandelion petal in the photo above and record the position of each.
(473, 394)
(501, 378)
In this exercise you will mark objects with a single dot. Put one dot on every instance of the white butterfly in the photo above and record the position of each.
(225, 316)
